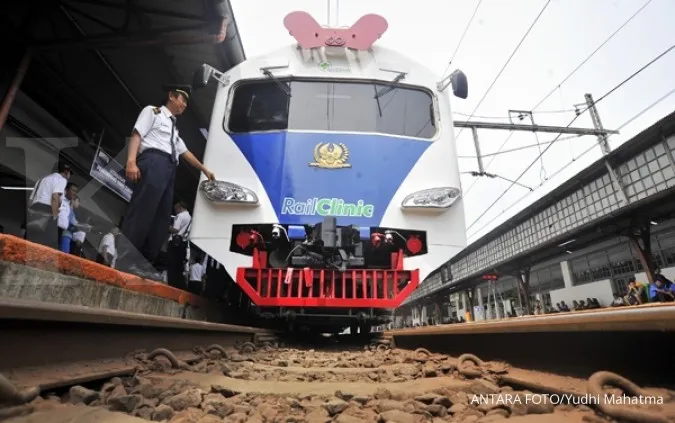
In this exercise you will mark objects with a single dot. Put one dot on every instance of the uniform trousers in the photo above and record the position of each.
(148, 217)
(195, 287)
(176, 252)
(50, 235)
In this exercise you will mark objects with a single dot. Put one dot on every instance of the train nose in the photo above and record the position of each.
(309, 176)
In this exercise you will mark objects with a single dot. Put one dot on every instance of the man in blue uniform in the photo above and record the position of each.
(154, 150)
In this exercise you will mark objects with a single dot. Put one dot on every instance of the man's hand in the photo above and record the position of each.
(192, 160)
(133, 172)
(209, 174)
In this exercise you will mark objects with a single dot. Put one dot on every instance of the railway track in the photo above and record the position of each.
(66, 364)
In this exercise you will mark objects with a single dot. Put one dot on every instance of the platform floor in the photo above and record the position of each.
(648, 317)
(29, 271)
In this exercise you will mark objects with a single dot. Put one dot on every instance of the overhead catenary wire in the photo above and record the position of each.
(524, 147)
(574, 71)
(461, 39)
(556, 173)
(507, 117)
(528, 193)
(590, 56)
(604, 96)
(513, 53)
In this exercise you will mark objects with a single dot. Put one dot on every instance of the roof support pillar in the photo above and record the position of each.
(644, 250)
(603, 141)
(523, 284)
(470, 295)
(14, 87)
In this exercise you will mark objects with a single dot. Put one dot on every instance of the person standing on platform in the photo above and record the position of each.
(43, 207)
(197, 276)
(107, 252)
(77, 246)
(154, 150)
(177, 248)
(67, 220)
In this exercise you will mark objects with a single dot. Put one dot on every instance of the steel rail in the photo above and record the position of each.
(50, 344)
(577, 344)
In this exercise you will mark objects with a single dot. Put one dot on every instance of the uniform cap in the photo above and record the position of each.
(186, 90)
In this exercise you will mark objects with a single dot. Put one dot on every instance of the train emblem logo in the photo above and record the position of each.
(328, 155)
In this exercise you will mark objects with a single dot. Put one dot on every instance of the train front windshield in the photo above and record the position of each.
(332, 106)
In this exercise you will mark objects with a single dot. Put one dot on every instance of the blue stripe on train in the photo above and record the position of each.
(302, 193)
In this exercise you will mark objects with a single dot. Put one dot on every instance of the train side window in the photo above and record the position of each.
(258, 106)
(404, 111)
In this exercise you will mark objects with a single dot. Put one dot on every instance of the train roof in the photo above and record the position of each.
(379, 63)
(345, 53)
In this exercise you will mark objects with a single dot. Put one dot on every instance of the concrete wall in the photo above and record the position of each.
(27, 283)
(602, 290)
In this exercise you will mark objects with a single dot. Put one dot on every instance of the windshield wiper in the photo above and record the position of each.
(266, 71)
(388, 89)
(377, 98)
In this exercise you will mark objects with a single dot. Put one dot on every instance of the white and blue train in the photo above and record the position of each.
(338, 185)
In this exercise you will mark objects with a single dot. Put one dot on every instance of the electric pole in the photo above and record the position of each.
(598, 130)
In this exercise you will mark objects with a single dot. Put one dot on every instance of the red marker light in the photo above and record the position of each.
(414, 244)
(244, 239)
(376, 239)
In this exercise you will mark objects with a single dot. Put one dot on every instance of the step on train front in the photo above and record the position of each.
(338, 186)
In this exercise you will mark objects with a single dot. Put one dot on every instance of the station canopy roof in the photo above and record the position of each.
(96, 63)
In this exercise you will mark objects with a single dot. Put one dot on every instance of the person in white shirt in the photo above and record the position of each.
(177, 248)
(77, 246)
(154, 150)
(43, 207)
(107, 251)
(66, 219)
(196, 277)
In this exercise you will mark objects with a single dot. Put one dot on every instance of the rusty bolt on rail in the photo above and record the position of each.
(247, 348)
(422, 355)
(596, 385)
(175, 363)
(382, 347)
(17, 400)
(470, 372)
(217, 349)
(12, 396)
(268, 346)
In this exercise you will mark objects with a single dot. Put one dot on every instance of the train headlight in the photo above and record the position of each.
(227, 192)
(434, 198)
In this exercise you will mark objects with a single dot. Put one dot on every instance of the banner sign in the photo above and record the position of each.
(111, 174)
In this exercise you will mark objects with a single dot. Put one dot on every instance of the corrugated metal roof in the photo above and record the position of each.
(91, 90)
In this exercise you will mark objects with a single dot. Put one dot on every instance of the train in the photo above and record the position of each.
(338, 189)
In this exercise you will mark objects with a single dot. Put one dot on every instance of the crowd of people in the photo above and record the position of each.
(150, 242)
(587, 304)
(52, 220)
(660, 291)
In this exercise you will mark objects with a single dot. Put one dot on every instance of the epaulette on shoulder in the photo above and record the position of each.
(156, 110)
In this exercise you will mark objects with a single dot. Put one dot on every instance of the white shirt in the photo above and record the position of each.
(107, 245)
(181, 222)
(46, 187)
(154, 126)
(196, 272)
(79, 236)
(63, 220)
